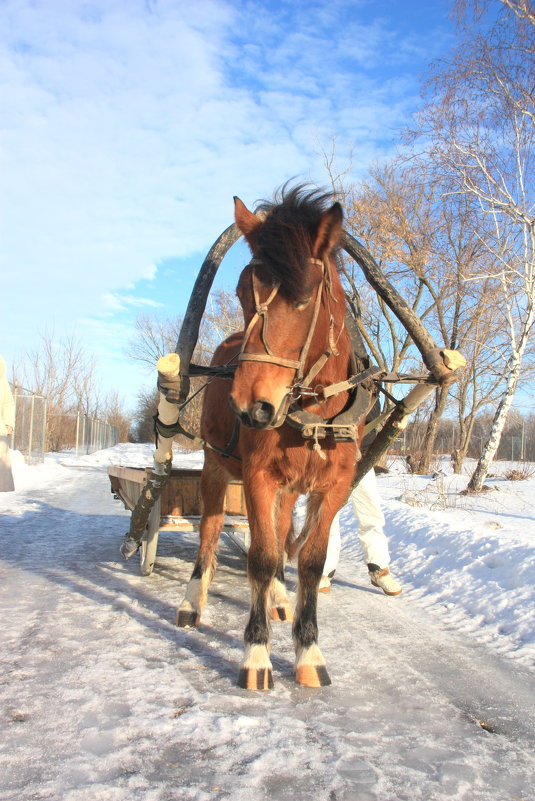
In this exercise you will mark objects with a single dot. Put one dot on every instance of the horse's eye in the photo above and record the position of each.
(300, 305)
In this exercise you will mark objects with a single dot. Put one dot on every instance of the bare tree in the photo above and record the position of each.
(479, 119)
(223, 317)
(424, 241)
(147, 403)
(58, 368)
(393, 223)
(62, 370)
(480, 383)
(112, 410)
(154, 337)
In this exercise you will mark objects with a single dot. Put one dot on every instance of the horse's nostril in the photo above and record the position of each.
(260, 415)
(246, 419)
(262, 412)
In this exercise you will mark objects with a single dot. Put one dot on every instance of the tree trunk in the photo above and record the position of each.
(459, 454)
(426, 454)
(493, 443)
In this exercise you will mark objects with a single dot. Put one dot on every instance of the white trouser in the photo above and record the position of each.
(6, 476)
(367, 509)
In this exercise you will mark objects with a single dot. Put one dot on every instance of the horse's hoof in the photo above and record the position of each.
(312, 676)
(186, 619)
(282, 613)
(255, 679)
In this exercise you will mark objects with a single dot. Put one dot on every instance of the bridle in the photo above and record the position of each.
(344, 426)
(261, 313)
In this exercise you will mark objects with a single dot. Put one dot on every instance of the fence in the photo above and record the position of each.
(29, 432)
(94, 435)
(80, 432)
(516, 444)
(36, 431)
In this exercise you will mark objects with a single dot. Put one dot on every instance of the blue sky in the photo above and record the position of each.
(126, 127)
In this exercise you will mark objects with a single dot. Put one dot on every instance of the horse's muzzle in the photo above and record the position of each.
(260, 415)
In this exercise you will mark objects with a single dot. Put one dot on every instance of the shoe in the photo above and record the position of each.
(385, 581)
(325, 582)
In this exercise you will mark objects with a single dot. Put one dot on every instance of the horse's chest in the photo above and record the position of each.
(291, 463)
(306, 470)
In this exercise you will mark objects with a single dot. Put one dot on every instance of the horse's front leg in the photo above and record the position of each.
(281, 608)
(213, 487)
(310, 667)
(256, 671)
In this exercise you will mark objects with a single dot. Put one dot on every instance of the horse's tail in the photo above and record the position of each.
(293, 546)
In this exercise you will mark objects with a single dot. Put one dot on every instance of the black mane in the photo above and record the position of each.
(284, 241)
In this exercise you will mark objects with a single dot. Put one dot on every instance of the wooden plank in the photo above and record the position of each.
(181, 504)
(192, 523)
(241, 543)
(235, 499)
(235, 528)
(181, 495)
(127, 491)
(186, 472)
(138, 475)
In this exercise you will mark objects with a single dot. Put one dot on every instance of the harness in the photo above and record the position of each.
(343, 427)
(363, 384)
(269, 357)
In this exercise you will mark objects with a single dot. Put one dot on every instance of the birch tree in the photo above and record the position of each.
(478, 124)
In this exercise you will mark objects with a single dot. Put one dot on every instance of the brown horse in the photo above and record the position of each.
(295, 344)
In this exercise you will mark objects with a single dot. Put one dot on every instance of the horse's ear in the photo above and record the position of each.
(329, 230)
(246, 221)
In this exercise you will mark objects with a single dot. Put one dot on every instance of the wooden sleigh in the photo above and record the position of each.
(178, 507)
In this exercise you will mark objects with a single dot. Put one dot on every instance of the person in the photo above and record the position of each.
(367, 509)
(7, 423)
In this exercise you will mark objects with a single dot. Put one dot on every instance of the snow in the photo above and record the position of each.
(102, 697)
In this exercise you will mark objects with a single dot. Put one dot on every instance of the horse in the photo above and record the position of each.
(295, 343)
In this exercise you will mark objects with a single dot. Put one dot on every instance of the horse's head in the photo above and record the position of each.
(288, 297)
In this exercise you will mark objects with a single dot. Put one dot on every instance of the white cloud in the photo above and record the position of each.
(119, 302)
(150, 272)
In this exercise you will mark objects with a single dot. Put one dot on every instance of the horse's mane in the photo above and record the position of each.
(284, 241)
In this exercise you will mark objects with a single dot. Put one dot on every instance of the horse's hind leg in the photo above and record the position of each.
(214, 481)
(281, 608)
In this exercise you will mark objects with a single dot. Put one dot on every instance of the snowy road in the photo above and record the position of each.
(103, 698)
